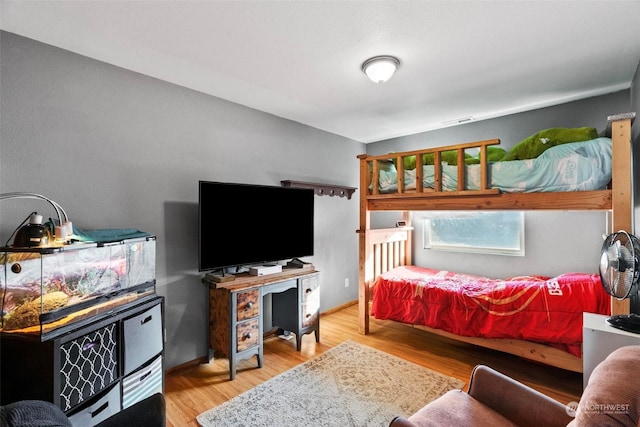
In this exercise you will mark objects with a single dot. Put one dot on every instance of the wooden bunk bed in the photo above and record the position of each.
(381, 250)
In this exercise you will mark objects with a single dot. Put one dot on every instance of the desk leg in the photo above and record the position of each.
(232, 367)
(260, 356)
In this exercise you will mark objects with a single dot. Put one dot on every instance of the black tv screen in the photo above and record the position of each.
(243, 224)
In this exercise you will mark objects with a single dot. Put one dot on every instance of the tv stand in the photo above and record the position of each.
(237, 312)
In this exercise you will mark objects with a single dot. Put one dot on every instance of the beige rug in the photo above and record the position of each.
(348, 385)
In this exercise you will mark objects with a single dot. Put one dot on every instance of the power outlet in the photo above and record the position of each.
(346, 282)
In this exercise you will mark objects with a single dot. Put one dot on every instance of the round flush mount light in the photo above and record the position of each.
(380, 68)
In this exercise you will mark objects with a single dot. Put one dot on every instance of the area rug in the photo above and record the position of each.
(349, 385)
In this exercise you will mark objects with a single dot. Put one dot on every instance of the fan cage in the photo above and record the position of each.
(624, 257)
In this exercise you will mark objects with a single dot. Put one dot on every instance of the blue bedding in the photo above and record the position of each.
(577, 166)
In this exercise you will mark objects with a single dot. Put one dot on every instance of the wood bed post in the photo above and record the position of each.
(408, 245)
(622, 186)
(365, 261)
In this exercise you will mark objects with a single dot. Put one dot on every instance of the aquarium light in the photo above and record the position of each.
(63, 229)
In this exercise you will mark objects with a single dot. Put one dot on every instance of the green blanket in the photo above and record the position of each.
(450, 157)
(534, 145)
(529, 148)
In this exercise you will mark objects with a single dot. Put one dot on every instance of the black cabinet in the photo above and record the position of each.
(103, 365)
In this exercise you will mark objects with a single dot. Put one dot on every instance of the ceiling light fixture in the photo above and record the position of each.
(380, 68)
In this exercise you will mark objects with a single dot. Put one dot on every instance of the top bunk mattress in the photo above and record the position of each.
(576, 166)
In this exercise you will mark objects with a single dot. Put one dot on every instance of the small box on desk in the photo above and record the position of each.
(261, 270)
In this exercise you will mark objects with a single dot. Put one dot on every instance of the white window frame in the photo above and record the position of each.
(488, 219)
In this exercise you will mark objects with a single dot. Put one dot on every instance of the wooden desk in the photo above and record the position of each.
(236, 312)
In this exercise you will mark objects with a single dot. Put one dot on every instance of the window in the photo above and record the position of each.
(499, 232)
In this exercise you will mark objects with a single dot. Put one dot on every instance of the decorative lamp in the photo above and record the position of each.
(380, 68)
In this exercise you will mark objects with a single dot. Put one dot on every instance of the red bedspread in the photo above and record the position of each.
(531, 308)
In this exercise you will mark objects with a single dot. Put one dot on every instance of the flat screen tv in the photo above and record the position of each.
(243, 224)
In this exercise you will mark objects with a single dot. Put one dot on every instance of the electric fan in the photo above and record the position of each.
(619, 275)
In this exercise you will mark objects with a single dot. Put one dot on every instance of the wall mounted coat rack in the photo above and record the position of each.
(322, 189)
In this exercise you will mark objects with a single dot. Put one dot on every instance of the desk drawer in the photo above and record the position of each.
(248, 304)
(310, 289)
(310, 300)
(248, 334)
(142, 338)
(89, 364)
(309, 315)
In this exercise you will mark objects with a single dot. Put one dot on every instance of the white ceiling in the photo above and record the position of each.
(301, 59)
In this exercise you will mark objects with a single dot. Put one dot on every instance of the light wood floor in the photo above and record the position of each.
(193, 390)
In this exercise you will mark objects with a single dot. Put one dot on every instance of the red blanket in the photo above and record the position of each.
(532, 308)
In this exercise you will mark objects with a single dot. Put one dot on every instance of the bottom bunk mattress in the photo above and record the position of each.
(531, 308)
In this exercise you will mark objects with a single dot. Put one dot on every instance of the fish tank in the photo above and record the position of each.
(47, 289)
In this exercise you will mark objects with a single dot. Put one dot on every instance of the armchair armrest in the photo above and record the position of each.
(516, 401)
(401, 422)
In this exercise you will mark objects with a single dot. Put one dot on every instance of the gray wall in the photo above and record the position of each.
(555, 242)
(119, 149)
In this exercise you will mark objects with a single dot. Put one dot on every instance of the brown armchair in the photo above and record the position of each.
(612, 398)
